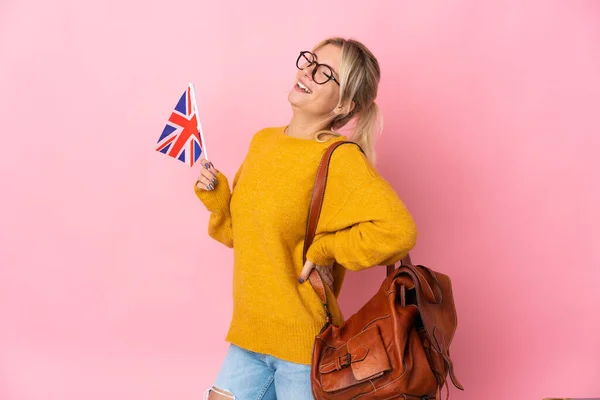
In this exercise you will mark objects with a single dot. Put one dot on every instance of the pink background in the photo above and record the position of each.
(110, 287)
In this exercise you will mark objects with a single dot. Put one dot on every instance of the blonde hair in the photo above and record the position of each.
(359, 80)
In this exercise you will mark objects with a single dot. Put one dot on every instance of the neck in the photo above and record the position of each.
(305, 127)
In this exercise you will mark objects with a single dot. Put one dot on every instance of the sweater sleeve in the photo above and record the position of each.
(365, 226)
(217, 203)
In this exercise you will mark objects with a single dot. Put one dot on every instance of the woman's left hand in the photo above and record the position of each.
(325, 272)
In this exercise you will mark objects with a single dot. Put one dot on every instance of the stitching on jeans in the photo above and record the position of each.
(261, 395)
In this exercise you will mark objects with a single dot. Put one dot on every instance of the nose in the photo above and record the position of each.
(308, 72)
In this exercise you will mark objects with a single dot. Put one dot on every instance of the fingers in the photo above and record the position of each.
(308, 266)
(208, 166)
(211, 168)
(326, 275)
(205, 183)
(207, 180)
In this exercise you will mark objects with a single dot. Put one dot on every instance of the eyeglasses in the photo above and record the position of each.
(321, 73)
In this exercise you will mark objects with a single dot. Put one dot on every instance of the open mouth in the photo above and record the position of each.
(303, 87)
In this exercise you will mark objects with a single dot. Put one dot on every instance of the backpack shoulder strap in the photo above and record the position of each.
(316, 203)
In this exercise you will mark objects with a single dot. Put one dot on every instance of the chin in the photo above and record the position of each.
(294, 99)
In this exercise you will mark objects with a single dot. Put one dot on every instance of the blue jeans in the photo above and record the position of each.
(254, 376)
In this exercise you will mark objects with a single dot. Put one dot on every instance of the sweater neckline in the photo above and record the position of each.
(281, 132)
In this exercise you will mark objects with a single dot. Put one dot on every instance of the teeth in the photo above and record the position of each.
(303, 87)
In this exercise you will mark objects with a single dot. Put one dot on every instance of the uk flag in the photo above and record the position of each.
(181, 137)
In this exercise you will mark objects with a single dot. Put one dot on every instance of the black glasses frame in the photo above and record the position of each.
(312, 60)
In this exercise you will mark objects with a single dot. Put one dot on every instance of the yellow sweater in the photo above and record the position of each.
(363, 223)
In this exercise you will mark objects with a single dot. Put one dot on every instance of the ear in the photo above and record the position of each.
(344, 109)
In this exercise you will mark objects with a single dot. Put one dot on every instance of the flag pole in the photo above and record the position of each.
(195, 105)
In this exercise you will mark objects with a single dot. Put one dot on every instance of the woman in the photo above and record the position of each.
(363, 223)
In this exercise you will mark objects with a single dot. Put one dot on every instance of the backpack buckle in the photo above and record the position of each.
(345, 360)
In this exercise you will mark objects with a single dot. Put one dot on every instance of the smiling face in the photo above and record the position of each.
(307, 96)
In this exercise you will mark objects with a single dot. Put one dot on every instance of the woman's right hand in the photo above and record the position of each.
(208, 175)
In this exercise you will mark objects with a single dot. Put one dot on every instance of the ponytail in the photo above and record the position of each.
(359, 77)
(366, 129)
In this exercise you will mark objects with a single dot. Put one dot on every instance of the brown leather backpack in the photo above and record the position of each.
(397, 345)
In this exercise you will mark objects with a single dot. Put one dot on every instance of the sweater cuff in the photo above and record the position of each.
(321, 251)
(216, 200)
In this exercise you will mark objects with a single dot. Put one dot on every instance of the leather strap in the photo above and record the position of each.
(391, 268)
(316, 203)
(314, 212)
